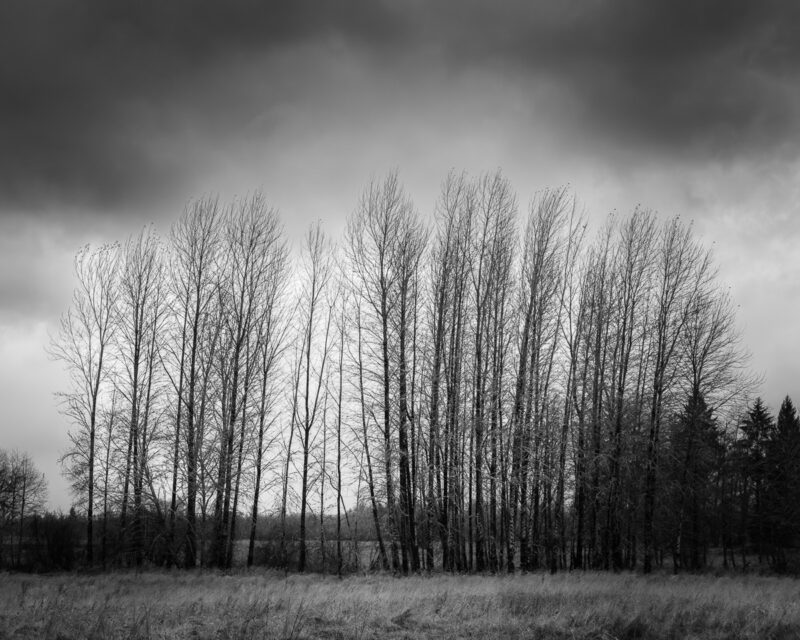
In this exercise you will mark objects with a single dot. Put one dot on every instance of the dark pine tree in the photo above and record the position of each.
(696, 453)
(783, 484)
(758, 430)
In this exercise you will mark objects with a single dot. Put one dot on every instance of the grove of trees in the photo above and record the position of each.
(490, 388)
(23, 491)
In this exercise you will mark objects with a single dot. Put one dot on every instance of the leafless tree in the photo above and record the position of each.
(406, 256)
(83, 343)
(142, 313)
(683, 270)
(195, 245)
(317, 343)
(253, 251)
(365, 414)
(539, 332)
(384, 213)
(23, 491)
(632, 274)
(490, 250)
(272, 333)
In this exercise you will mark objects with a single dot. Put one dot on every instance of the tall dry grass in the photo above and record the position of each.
(269, 605)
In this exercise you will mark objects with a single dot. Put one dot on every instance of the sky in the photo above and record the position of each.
(114, 115)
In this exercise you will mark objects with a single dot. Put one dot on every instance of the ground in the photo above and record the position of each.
(271, 605)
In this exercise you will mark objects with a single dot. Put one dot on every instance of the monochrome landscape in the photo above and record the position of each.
(394, 320)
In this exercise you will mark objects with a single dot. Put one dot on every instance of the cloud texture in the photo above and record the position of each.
(114, 114)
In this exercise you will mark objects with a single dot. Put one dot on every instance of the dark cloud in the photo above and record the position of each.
(98, 99)
(112, 105)
(710, 76)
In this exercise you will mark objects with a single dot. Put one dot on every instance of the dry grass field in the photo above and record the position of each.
(269, 605)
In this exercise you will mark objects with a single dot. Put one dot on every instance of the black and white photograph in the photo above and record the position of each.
(399, 319)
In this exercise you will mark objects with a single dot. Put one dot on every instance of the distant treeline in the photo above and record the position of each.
(497, 391)
(46, 541)
(732, 499)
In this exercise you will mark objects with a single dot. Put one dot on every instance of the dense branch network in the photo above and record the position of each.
(484, 391)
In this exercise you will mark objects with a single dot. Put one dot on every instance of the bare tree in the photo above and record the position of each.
(142, 314)
(373, 233)
(318, 273)
(571, 333)
(597, 295)
(272, 335)
(195, 244)
(342, 328)
(713, 360)
(83, 343)
(632, 271)
(365, 442)
(294, 417)
(406, 256)
(682, 272)
(539, 329)
(23, 491)
(107, 437)
(490, 250)
(447, 307)
(253, 247)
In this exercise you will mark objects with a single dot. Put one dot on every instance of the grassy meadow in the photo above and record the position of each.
(270, 605)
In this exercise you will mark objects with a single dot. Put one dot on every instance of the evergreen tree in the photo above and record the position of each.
(783, 483)
(758, 429)
(696, 454)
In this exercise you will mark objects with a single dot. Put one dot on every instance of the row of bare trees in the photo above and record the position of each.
(498, 390)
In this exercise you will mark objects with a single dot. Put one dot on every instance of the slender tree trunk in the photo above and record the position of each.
(176, 450)
(339, 560)
(370, 479)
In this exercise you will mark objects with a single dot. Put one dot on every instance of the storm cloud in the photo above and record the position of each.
(115, 114)
(101, 101)
(111, 104)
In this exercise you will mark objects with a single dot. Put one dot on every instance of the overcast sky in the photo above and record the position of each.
(113, 115)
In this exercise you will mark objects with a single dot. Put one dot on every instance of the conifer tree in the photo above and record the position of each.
(758, 428)
(783, 483)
